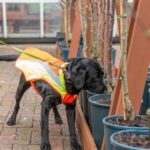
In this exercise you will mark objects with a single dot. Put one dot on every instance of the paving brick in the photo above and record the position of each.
(26, 121)
(66, 145)
(23, 136)
(20, 147)
(2, 119)
(1, 128)
(8, 135)
(35, 139)
(65, 132)
(57, 144)
(5, 147)
(34, 147)
(4, 110)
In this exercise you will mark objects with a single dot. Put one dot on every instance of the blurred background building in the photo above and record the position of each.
(29, 19)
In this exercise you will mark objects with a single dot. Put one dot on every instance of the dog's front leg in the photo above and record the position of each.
(45, 108)
(70, 109)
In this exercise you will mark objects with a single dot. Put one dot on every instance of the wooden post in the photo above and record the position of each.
(116, 92)
(84, 132)
(76, 33)
(72, 15)
(138, 57)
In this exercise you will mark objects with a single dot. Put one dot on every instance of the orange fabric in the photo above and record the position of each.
(43, 56)
(68, 99)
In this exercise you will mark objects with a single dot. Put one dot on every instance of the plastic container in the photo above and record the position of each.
(81, 99)
(113, 56)
(109, 129)
(96, 114)
(60, 36)
(85, 102)
(119, 146)
(65, 51)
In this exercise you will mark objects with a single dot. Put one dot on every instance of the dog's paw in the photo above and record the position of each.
(11, 122)
(45, 146)
(58, 120)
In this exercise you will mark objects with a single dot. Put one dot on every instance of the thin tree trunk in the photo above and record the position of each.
(103, 32)
(129, 111)
(108, 50)
(66, 22)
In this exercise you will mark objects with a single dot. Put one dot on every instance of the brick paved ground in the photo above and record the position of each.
(26, 134)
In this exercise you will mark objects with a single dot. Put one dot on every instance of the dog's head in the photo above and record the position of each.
(85, 74)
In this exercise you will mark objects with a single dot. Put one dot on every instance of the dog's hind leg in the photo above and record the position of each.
(45, 108)
(58, 119)
(22, 87)
(70, 109)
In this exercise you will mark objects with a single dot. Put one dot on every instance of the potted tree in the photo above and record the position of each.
(132, 139)
(99, 107)
(129, 120)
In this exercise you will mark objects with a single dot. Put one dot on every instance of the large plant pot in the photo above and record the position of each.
(97, 111)
(109, 129)
(81, 97)
(85, 103)
(120, 146)
(113, 56)
(60, 36)
(65, 51)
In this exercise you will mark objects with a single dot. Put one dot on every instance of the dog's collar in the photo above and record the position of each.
(64, 66)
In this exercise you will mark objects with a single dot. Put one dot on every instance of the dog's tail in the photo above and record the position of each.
(9, 57)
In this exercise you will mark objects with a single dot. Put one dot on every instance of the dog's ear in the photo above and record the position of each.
(78, 75)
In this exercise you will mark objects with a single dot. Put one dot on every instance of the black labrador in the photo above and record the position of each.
(84, 74)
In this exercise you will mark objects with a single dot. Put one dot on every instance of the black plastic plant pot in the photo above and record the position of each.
(98, 110)
(60, 36)
(110, 128)
(81, 98)
(85, 103)
(65, 52)
(121, 146)
(113, 56)
(62, 44)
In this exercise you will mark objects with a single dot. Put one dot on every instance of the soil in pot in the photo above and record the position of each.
(130, 139)
(104, 101)
(140, 121)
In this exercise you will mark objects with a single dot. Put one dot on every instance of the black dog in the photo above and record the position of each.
(84, 74)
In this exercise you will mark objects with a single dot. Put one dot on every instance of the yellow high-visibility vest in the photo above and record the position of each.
(34, 70)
